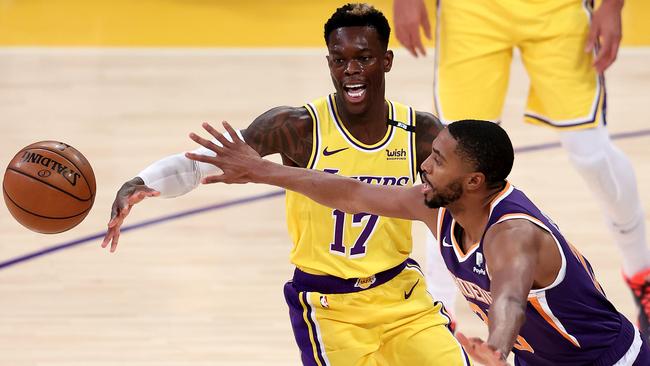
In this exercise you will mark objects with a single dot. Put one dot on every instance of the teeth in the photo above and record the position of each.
(356, 93)
(354, 86)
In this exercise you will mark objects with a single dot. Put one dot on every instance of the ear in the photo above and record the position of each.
(475, 181)
(388, 60)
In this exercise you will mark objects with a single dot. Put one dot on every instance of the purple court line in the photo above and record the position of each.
(241, 201)
(145, 223)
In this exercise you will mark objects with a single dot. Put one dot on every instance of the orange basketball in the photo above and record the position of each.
(49, 187)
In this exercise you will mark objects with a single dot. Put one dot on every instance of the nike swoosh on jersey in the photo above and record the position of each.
(328, 153)
(445, 244)
(408, 294)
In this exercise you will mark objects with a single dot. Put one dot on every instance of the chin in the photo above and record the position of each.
(357, 108)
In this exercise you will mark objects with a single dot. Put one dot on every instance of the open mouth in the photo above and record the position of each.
(426, 185)
(355, 92)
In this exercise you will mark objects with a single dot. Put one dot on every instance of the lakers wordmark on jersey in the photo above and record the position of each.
(328, 241)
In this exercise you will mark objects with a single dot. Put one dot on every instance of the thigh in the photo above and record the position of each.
(426, 345)
(565, 90)
(328, 331)
(416, 330)
(473, 56)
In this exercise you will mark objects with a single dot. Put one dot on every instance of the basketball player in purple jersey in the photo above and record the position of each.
(510, 261)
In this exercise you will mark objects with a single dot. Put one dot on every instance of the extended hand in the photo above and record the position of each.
(131, 193)
(238, 161)
(481, 352)
(606, 31)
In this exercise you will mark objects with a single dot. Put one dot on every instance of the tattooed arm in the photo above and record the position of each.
(427, 127)
(283, 130)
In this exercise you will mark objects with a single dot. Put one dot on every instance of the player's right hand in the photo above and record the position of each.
(481, 352)
(131, 193)
(239, 162)
(409, 16)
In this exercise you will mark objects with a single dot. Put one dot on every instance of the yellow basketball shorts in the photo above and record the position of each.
(475, 41)
(387, 319)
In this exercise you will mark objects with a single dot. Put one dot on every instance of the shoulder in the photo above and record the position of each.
(426, 120)
(513, 235)
(279, 116)
(295, 122)
(285, 130)
(427, 128)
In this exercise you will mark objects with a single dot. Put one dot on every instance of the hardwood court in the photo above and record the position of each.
(206, 289)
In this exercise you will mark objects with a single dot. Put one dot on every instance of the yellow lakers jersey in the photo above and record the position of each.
(328, 241)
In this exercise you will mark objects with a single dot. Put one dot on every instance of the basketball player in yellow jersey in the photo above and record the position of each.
(565, 46)
(356, 298)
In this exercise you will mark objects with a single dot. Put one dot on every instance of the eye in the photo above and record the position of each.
(338, 61)
(365, 59)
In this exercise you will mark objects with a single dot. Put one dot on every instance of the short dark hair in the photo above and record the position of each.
(487, 146)
(359, 15)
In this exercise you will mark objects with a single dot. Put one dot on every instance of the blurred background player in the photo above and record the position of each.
(354, 132)
(565, 46)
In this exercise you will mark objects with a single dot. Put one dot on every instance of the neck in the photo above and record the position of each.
(369, 126)
(472, 212)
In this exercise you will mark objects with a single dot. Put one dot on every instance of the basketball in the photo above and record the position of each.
(49, 187)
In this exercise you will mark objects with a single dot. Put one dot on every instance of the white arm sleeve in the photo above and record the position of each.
(176, 175)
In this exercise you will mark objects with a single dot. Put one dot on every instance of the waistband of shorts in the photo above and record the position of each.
(304, 281)
(620, 346)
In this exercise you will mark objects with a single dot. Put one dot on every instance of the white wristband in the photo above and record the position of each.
(176, 175)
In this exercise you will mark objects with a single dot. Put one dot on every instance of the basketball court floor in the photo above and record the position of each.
(197, 280)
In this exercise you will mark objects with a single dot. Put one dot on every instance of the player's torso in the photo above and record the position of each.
(328, 241)
(567, 323)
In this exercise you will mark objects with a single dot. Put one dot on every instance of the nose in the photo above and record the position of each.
(426, 165)
(352, 67)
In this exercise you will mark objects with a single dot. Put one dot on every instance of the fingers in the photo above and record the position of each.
(205, 143)
(116, 239)
(592, 38)
(222, 178)
(138, 197)
(217, 135)
(152, 191)
(410, 46)
(201, 158)
(112, 236)
(462, 339)
(607, 53)
(418, 43)
(232, 132)
(601, 55)
(107, 237)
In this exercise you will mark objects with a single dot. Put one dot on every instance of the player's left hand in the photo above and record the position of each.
(237, 159)
(480, 351)
(605, 32)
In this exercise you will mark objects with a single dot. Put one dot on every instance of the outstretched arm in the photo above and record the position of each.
(284, 130)
(242, 164)
(511, 253)
(512, 257)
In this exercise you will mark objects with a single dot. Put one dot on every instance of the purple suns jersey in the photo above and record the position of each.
(570, 322)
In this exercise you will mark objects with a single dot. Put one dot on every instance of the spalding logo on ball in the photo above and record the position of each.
(49, 187)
